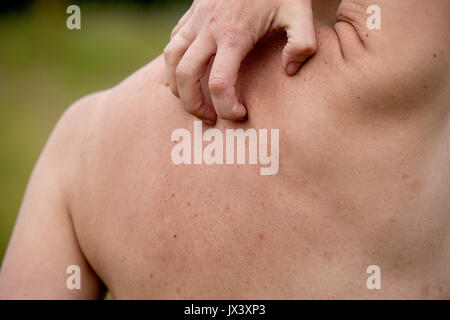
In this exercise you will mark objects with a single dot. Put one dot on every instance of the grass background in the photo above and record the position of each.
(44, 67)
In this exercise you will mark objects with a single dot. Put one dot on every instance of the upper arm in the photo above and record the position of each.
(44, 243)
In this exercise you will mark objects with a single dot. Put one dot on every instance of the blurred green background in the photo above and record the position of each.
(44, 67)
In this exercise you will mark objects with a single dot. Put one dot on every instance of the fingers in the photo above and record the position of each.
(301, 36)
(173, 53)
(223, 77)
(189, 73)
(187, 56)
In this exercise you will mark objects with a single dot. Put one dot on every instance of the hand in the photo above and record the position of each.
(228, 30)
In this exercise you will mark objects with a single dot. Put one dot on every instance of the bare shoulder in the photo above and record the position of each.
(112, 129)
(94, 122)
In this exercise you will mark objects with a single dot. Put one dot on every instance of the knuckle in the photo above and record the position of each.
(182, 72)
(308, 47)
(234, 35)
(218, 85)
(168, 53)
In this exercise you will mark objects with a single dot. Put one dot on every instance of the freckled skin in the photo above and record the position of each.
(106, 196)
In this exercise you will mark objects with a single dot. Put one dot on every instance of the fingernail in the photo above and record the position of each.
(243, 112)
(244, 118)
(293, 68)
(207, 114)
(208, 122)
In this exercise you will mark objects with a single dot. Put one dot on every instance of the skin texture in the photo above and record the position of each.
(363, 179)
(227, 31)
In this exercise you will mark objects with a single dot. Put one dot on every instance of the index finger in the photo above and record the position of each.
(223, 78)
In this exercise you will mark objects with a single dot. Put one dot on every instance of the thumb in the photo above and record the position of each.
(301, 43)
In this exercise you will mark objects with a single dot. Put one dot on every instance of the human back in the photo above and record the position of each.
(362, 180)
